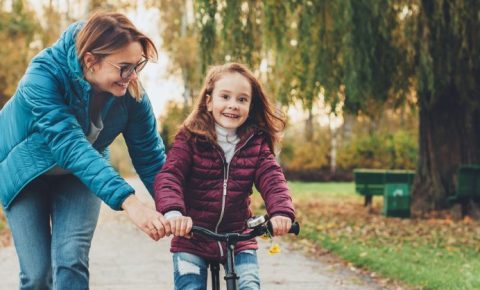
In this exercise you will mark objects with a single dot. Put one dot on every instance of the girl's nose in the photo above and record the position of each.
(232, 105)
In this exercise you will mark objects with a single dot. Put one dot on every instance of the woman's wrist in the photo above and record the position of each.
(130, 201)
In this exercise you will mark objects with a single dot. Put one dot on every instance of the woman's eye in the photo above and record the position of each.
(124, 68)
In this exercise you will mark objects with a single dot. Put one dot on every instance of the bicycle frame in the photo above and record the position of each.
(231, 240)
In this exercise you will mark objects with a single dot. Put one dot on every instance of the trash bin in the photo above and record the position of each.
(396, 200)
(399, 176)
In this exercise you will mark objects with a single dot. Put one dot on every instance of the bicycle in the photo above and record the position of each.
(259, 225)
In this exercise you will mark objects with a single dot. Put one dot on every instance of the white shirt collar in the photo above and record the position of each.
(224, 134)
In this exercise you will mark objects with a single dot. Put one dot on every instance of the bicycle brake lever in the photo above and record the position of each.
(255, 221)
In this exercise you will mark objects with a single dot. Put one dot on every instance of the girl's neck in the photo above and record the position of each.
(226, 132)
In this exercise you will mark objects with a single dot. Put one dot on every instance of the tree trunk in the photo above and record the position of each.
(449, 135)
(309, 126)
(333, 144)
(347, 127)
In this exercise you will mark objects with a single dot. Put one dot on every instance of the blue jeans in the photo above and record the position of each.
(52, 223)
(191, 271)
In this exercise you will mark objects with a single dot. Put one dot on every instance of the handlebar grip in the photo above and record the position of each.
(294, 229)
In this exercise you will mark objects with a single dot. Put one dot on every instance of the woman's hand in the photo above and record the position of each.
(148, 220)
(181, 226)
(280, 225)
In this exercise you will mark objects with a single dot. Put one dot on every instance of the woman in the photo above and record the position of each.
(73, 100)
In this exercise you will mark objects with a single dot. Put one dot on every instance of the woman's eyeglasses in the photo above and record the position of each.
(127, 70)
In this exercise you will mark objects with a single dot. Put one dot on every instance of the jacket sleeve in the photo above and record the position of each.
(270, 182)
(56, 123)
(170, 181)
(145, 145)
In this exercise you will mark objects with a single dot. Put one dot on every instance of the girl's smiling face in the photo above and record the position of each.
(230, 100)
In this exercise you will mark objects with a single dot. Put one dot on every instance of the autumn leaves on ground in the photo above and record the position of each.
(4, 232)
(434, 253)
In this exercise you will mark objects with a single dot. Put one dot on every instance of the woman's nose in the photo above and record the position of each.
(133, 76)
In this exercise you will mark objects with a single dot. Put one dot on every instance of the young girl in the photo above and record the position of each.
(224, 147)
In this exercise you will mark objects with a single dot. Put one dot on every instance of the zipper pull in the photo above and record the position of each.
(224, 187)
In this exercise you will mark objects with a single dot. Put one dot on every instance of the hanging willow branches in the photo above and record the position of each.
(308, 49)
(361, 52)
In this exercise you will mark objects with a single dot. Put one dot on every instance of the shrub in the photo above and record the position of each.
(396, 150)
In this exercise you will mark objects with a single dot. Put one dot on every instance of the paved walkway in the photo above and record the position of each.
(123, 258)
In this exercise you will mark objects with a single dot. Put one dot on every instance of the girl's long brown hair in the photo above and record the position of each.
(262, 116)
(105, 33)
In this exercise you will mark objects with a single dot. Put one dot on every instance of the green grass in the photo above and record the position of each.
(418, 265)
(306, 190)
(426, 254)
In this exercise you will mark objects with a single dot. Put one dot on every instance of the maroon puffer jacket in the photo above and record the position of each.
(196, 181)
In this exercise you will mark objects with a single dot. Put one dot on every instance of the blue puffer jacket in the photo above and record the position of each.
(45, 123)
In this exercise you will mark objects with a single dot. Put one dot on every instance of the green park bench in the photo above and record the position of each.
(369, 182)
(467, 185)
(393, 185)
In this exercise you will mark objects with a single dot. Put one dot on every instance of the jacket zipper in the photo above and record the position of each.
(226, 169)
(224, 196)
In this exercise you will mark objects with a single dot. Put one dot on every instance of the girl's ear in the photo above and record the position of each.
(89, 60)
(209, 103)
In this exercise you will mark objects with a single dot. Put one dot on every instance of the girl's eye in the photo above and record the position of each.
(225, 97)
(243, 100)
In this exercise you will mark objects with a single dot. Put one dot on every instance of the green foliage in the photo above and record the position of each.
(205, 18)
(53, 28)
(372, 60)
(119, 157)
(315, 47)
(299, 154)
(170, 121)
(397, 150)
(388, 142)
(448, 51)
(17, 30)
(180, 40)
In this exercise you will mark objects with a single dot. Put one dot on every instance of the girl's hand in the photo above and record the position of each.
(280, 225)
(181, 226)
(148, 220)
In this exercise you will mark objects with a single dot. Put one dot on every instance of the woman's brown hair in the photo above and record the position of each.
(105, 33)
(262, 116)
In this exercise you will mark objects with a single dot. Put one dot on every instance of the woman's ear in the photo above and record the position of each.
(209, 103)
(89, 61)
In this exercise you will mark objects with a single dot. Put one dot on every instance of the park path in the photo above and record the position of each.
(123, 258)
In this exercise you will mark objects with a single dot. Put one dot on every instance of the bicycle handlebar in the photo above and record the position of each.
(255, 232)
(258, 225)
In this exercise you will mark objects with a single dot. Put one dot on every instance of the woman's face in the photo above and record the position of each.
(114, 73)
